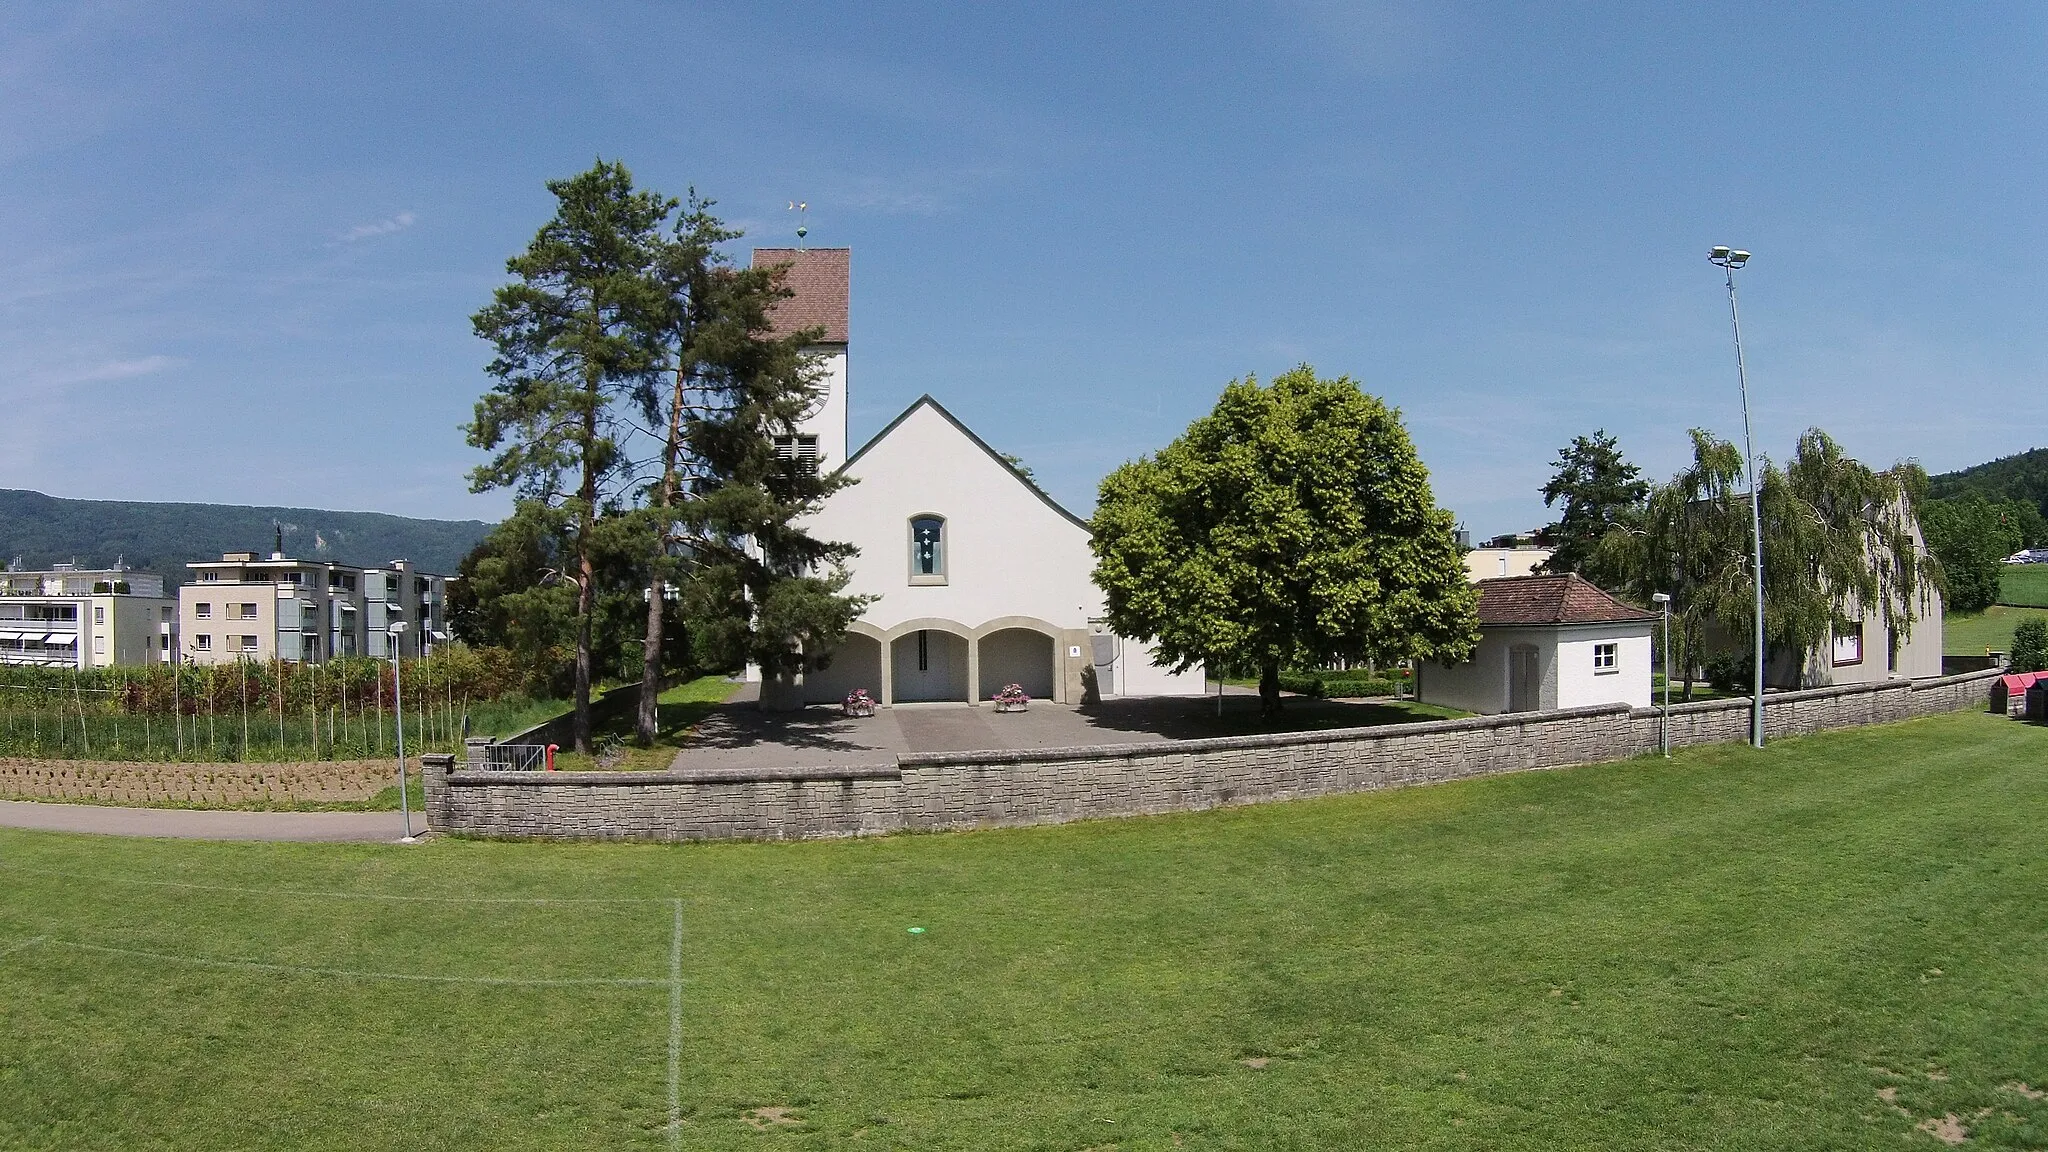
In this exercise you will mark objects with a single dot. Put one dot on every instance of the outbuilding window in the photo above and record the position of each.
(927, 550)
(1606, 657)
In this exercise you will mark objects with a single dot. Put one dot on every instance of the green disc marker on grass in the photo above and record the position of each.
(917, 931)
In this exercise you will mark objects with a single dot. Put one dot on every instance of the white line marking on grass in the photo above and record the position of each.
(406, 899)
(675, 1030)
(18, 945)
(355, 974)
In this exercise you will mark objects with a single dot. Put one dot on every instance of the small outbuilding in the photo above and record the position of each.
(1547, 642)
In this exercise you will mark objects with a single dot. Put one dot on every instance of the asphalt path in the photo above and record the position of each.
(202, 824)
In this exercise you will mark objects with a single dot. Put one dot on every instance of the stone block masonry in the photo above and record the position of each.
(959, 790)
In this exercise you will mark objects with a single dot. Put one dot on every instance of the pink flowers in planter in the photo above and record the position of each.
(858, 703)
(1011, 699)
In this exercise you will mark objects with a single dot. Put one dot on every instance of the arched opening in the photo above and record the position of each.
(857, 663)
(929, 665)
(1021, 656)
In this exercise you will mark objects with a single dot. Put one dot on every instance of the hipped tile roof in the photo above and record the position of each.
(1566, 599)
(822, 279)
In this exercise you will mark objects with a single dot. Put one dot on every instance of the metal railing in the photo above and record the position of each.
(515, 757)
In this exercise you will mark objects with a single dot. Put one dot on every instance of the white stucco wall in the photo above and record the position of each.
(1007, 552)
(828, 424)
(1580, 684)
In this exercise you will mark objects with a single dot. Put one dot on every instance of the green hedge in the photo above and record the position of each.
(1323, 685)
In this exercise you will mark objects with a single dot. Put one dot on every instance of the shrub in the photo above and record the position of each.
(1730, 672)
(2030, 645)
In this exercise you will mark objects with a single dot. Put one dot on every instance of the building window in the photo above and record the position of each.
(167, 614)
(1849, 646)
(928, 550)
(99, 645)
(1606, 657)
(248, 611)
(164, 642)
(203, 642)
(1503, 565)
(202, 611)
(248, 643)
(802, 449)
(99, 614)
(209, 577)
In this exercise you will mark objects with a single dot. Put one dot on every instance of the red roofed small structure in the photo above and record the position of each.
(1548, 642)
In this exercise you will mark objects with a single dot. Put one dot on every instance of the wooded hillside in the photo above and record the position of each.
(40, 530)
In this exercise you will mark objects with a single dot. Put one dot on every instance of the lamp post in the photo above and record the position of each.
(1729, 260)
(396, 630)
(1663, 602)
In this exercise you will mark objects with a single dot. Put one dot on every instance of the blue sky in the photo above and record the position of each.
(239, 244)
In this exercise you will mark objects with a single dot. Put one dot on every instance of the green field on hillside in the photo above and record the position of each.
(1991, 628)
(1825, 944)
(2023, 585)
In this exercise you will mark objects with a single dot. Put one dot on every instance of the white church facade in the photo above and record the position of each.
(979, 578)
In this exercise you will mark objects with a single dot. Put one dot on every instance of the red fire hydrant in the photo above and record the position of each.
(552, 749)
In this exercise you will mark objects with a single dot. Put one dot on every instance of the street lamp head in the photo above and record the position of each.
(1738, 258)
(1727, 257)
(1718, 253)
(1660, 598)
(396, 627)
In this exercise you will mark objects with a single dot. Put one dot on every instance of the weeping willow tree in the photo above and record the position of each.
(1840, 543)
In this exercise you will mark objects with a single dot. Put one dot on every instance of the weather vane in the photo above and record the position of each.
(800, 207)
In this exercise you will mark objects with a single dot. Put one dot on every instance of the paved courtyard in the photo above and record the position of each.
(740, 735)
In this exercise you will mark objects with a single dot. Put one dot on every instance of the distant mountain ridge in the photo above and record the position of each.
(40, 530)
(2023, 476)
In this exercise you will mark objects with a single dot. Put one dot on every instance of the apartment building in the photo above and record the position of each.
(71, 617)
(241, 607)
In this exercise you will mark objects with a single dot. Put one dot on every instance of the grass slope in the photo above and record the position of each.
(1992, 628)
(1734, 950)
(161, 538)
(2023, 585)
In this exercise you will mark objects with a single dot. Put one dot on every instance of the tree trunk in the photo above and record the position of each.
(586, 591)
(1269, 688)
(648, 725)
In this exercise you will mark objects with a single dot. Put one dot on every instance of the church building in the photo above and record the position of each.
(980, 578)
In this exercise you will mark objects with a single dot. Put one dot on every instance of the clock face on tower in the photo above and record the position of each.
(817, 405)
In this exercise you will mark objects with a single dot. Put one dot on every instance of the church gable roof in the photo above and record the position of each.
(926, 401)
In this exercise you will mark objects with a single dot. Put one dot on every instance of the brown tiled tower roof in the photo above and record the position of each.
(821, 279)
(1566, 599)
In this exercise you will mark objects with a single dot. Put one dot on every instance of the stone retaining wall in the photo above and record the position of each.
(217, 785)
(956, 790)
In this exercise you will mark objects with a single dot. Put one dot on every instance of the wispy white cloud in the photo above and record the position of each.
(104, 371)
(384, 227)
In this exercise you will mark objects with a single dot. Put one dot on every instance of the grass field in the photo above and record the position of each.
(1821, 945)
(1991, 628)
(2023, 585)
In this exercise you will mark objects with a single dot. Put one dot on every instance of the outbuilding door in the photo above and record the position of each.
(1524, 677)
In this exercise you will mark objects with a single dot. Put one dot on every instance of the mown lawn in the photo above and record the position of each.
(680, 710)
(1991, 628)
(1820, 945)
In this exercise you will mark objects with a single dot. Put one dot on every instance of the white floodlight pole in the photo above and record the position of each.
(1729, 260)
(1663, 600)
(393, 633)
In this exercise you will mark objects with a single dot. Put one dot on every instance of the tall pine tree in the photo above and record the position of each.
(572, 334)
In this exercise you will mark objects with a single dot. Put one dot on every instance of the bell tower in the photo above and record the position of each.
(821, 279)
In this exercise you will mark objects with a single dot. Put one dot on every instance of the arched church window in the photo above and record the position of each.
(927, 550)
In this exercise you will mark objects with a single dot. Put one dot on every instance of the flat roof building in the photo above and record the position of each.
(241, 607)
(71, 617)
